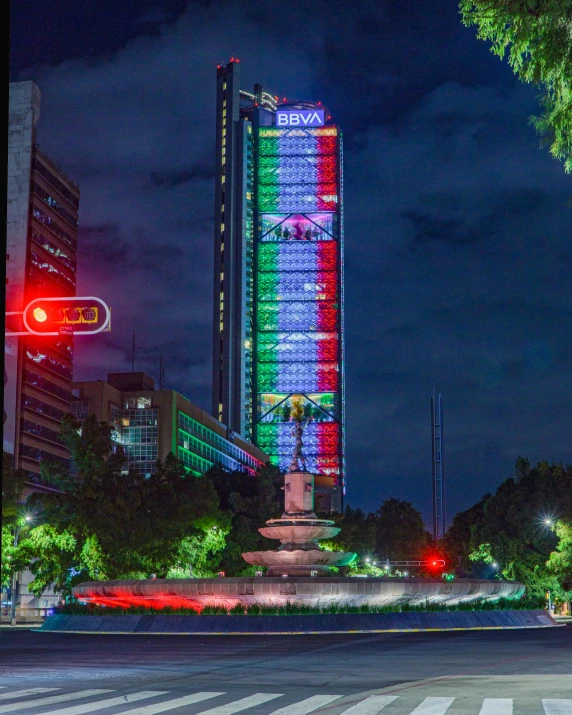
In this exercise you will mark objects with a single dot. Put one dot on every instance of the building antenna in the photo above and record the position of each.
(438, 466)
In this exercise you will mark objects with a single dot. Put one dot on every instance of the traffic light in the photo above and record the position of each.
(72, 316)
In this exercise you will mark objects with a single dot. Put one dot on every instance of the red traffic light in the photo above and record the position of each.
(74, 316)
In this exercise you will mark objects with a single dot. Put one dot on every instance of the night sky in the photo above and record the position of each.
(458, 253)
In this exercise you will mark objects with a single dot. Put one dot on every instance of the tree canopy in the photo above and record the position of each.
(107, 522)
(525, 528)
(536, 36)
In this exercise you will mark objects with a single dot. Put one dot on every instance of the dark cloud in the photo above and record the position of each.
(457, 226)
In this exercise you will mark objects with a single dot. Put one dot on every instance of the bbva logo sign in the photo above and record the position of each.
(300, 118)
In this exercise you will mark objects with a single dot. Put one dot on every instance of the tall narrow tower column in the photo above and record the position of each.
(438, 466)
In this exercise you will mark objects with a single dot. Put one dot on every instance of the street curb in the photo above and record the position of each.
(296, 633)
(312, 624)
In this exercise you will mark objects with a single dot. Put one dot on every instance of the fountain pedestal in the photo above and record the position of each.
(299, 531)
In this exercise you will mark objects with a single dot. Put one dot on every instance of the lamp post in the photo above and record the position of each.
(15, 584)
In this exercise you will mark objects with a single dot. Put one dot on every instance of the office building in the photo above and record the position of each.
(150, 423)
(42, 222)
(278, 296)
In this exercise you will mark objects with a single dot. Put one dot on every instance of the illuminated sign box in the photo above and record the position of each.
(300, 118)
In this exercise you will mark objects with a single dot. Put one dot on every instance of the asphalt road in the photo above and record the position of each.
(520, 672)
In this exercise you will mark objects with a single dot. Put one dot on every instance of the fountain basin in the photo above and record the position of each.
(228, 592)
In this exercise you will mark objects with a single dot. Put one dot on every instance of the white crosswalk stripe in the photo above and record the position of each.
(20, 705)
(23, 693)
(433, 706)
(496, 706)
(557, 707)
(242, 704)
(107, 703)
(370, 706)
(169, 704)
(307, 705)
(367, 706)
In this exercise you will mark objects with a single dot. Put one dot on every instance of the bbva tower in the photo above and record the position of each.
(278, 307)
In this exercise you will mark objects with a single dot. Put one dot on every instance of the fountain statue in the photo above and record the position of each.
(299, 529)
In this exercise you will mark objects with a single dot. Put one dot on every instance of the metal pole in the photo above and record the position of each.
(14, 583)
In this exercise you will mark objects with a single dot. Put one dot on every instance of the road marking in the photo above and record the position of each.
(370, 705)
(238, 705)
(23, 693)
(306, 706)
(13, 707)
(557, 707)
(107, 703)
(496, 706)
(169, 704)
(433, 706)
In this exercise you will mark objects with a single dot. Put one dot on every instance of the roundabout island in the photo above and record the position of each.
(300, 591)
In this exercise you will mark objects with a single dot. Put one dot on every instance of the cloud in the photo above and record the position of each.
(457, 225)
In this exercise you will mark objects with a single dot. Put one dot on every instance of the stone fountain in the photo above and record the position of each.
(299, 529)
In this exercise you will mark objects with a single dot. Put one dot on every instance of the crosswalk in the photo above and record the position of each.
(41, 701)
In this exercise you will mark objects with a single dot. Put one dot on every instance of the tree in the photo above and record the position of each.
(400, 533)
(358, 532)
(457, 541)
(560, 561)
(104, 523)
(12, 489)
(509, 529)
(248, 503)
(537, 35)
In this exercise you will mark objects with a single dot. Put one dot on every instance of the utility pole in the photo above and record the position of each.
(438, 466)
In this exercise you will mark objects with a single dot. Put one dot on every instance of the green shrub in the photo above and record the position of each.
(291, 609)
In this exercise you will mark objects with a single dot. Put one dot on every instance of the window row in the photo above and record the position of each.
(49, 362)
(40, 455)
(32, 403)
(40, 431)
(56, 251)
(41, 193)
(32, 378)
(40, 216)
(47, 175)
(54, 272)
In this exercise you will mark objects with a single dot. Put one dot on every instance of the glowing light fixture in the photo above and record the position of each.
(40, 315)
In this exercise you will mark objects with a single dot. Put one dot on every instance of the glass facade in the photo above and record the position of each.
(298, 295)
(200, 448)
(135, 426)
(137, 431)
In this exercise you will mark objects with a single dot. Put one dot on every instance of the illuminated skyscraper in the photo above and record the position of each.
(278, 309)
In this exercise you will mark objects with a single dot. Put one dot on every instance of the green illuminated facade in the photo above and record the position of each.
(149, 424)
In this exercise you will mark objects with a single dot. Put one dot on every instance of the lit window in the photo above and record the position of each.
(125, 422)
(248, 195)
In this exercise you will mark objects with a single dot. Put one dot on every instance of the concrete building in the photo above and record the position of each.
(278, 277)
(150, 423)
(42, 222)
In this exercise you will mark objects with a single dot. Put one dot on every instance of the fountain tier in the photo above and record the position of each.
(299, 531)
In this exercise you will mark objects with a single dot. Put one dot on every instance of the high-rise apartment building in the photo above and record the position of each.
(278, 298)
(42, 222)
(149, 424)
